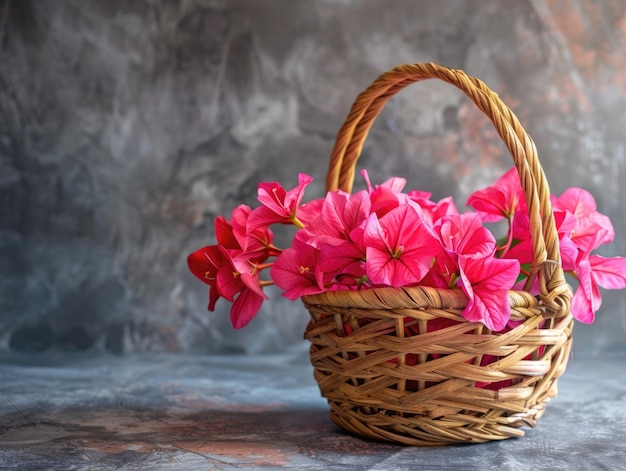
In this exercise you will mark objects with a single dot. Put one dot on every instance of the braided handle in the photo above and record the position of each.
(554, 291)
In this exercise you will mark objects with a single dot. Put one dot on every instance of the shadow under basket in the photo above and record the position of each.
(402, 364)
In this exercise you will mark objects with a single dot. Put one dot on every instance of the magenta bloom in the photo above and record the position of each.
(590, 229)
(386, 196)
(400, 247)
(383, 236)
(254, 242)
(234, 279)
(464, 234)
(486, 282)
(278, 205)
(296, 271)
(205, 263)
(609, 273)
(501, 199)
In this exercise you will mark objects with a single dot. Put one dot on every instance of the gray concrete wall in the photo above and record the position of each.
(126, 127)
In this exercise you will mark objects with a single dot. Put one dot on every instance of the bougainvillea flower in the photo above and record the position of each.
(522, 248)
(486, 282)
(400, 247)
(383, 236)
(214, 266)
(245, 308)
(205, 264)
(591, 232)
(464, 234)
(499, 200)
(434, 211)
(278, 205)
(591, 228)
(225, 235)
(241, 279)
(609, 273)
(339, 257)
(235, 237)
(308, 212)
(296, 270)
(342, 213)
(386, 196)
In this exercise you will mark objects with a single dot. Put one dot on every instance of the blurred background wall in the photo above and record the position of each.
(127, 126)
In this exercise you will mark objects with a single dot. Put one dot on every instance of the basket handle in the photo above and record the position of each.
(554, 291)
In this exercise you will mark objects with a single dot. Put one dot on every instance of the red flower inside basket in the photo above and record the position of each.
(383, 236)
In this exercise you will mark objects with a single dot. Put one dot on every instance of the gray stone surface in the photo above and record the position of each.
(169, 412)
(126, 127)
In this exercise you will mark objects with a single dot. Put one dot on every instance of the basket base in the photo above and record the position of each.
(422, 430)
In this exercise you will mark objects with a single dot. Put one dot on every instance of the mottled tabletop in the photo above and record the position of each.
(171, 412)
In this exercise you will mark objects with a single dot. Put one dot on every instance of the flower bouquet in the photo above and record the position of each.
(425, 329)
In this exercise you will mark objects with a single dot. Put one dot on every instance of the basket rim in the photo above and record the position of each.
(408, 297)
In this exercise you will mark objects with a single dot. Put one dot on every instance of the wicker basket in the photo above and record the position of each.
(402, 365)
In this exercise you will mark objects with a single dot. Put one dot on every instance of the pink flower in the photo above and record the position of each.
(400, 247)
(278, 205)
(296, 271)
(244, 282)
(522, 248)
(309, 212)
(591, 229)
(339, 258)
(486, 282)
(609, 273)
(501, 199)
(341, 213)
(228, 278)
(464, 234)
(386, 196)
(460, 234)
(256, 242)
(205, 263)
(432, 211)
(385, 237)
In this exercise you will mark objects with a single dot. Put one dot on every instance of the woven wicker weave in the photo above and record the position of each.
(402, 365)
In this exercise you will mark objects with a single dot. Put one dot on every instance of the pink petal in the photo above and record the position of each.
(464, 234)
(577, 201)
(293, 198)
(229, 283)
(610, 273)
(357, 210)
(245, 308)
(395, 184)
(569, 253)
(204, 263)
(307, 213)
(336, 255)
(272, 196)
(490, 204)
(331, 220)
(263, 217)
(586, 300)
(489, 272)
(486, 282)
(224, 234)
(501, 199)
(385, 270)
(491, 307)
(295, 276)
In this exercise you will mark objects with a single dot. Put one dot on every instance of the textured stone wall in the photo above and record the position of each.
(126, 127)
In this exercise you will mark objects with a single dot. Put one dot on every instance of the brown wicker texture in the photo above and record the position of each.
(402, 365)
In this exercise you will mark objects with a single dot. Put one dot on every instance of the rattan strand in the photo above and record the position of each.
(422, 389)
